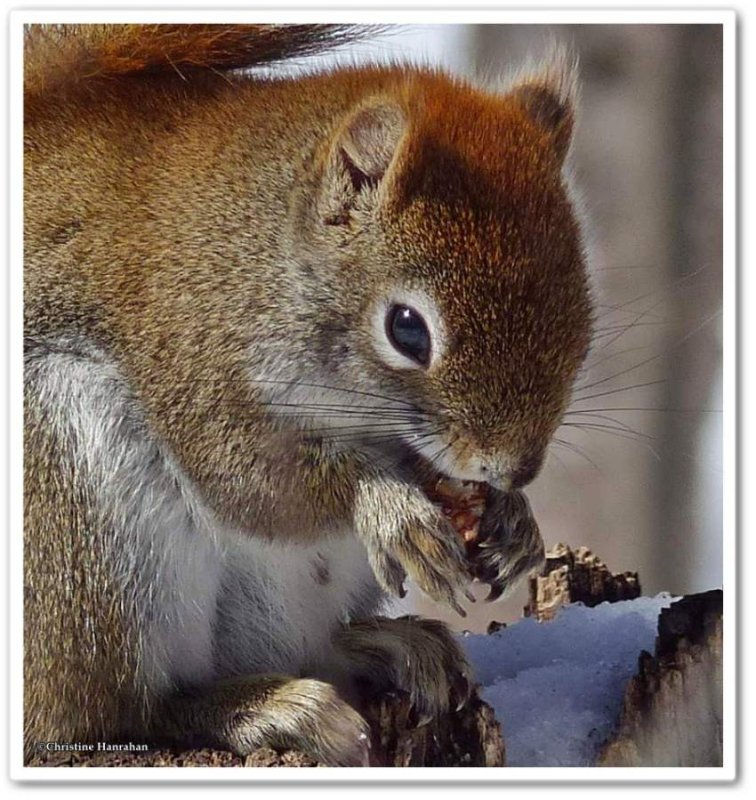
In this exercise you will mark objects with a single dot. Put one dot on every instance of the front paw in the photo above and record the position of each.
(246, 713)
(419, 657)
(405, 534)
(308, 716)
(508, 545)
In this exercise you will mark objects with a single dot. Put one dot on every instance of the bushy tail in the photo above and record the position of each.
(58, 57)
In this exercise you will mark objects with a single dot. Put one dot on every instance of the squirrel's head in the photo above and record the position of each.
(444, 237)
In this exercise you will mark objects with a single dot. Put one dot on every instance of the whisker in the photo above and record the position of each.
(626, 268)
(622, 435)
(619, 389)
(608, 330)
(649, 408)
(431, 470)
(628, 433)
(619, 353)
(389, 433)
(576, 449)
(337, 406)
(424, 468)
(630, 312)
(309, 385)
(658, 355)
(605, 417)
(323, 408)
(336, 434)
(552, 452)
(333, 434)
(634, 323)
(420, 468)
(668, 288)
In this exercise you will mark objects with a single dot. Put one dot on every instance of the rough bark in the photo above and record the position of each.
(672, 713)
(468, 738)
(205, 757)
(576, 576)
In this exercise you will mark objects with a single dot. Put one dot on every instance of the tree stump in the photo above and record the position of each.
(470, 737)
(672, 713)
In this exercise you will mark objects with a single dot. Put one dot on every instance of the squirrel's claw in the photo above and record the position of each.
(388, 571)
(416, 659)
(510, 544)
(461, 691)
(497, 590)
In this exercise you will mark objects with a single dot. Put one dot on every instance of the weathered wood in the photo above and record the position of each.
(572, 576)
(672, 713)
(470, 737)
(203, 757)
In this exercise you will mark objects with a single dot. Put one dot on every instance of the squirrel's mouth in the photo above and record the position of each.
(463, 502)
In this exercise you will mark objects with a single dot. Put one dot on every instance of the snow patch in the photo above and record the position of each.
(557, 687)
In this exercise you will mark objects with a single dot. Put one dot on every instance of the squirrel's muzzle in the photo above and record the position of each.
(514, 475)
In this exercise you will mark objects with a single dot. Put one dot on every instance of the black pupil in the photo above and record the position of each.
(409, 334)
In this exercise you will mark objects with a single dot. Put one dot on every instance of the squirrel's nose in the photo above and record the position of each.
(516, 476)
(525, 471)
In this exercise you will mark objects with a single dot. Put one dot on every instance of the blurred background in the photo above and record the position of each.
(639, 482)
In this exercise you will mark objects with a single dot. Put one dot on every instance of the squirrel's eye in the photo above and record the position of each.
(407, 331)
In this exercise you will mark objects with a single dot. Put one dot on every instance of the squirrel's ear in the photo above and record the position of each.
(547, 91)
(359, 159)
(551, 110)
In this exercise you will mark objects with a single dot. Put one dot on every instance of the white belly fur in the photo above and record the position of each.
(208, 602)
(280, 604)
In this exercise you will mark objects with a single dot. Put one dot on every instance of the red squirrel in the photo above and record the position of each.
(261, 315)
